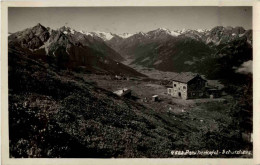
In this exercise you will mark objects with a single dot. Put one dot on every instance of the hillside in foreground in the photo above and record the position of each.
(56, 113)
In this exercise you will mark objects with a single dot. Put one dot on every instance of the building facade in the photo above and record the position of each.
(187, 86)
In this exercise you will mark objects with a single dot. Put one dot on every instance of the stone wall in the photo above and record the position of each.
(179, 90)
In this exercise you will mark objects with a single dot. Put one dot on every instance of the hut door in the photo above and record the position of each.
(179, 94)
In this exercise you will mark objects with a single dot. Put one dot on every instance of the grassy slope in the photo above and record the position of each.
(53, 113)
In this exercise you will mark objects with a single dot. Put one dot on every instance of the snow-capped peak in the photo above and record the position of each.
(125, 35)
(72, 31)
(142, 33)
(183, 30)
(200, 30)
(86, 33)
(175, 33)
(67, 30)
(104, 35)
(167, 31)
(163, 29)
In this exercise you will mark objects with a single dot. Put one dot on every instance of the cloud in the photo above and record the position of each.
(245, 68)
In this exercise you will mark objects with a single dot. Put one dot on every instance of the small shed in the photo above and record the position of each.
(123, 92)
(155, 98)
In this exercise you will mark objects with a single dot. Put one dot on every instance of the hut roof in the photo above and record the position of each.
(185, 77)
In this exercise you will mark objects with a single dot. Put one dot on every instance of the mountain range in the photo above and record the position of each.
(201, 51)
(188, 50)
(69, 49)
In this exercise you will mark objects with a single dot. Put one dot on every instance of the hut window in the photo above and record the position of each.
(174, 85)
(184, 87)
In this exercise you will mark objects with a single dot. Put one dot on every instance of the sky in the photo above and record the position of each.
(128, 19)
